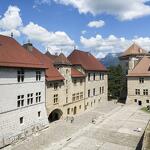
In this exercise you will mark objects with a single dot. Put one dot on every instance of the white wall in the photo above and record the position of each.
(9, 112)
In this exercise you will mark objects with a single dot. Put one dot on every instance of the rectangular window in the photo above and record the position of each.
(93, 76)
(103, 89)
(77, 96)
(39, 113)
(141, 80)
(68, 111)
(55, 98)
(21, 120)
(38, 75)
(38, 97)
(94, 92)
(100, 90)
(135, 100)
(73, 97)
(55, 86)
(81, 95)
(30, 99)
(145, 91)
(20, 75)
(100, 76)
(20, 101)
(147, 101)
(89, 76)
(88, 93)
(80, 107)
(137, 91)
(75, 82)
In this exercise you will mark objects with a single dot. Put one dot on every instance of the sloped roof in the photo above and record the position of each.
(86, 60)
(61, 60)
(12, 54)
(142, 68)
(134, 49)
(76, 74)
(52, 57)
(52, 74)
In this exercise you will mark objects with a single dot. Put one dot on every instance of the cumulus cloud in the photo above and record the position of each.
(123, 10)
(52, 40)
(11, 21)
(96, 24)
(112, 44)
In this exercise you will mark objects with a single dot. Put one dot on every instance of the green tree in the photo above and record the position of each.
(116, 81)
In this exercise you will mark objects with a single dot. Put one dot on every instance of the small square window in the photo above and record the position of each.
(135, 100)
(147, 101)
(21, 120)
(39, 113)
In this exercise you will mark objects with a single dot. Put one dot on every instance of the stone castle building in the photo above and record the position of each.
(44, 87)
(22, 92)
(135, 62)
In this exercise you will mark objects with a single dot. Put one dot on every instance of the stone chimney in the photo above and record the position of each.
(28, 46)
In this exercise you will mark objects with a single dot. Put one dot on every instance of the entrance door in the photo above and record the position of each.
(140, 103)
(55, 115)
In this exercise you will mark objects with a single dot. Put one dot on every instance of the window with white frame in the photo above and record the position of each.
(137, 91)
(20, 101)
(145, 91)
(29, 98)
(20, 75)
(38, 75)
(141, 80)
(55, 98)
(81, 95)
(38, 97)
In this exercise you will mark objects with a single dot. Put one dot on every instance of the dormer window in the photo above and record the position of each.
(20, 75)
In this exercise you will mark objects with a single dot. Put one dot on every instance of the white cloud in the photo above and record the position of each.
(11, 21)
(123, 10)
(112, 44)
(53, 40)
(96, 24)
(11, 18)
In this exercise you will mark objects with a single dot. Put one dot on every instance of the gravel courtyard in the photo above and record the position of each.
(114, 129)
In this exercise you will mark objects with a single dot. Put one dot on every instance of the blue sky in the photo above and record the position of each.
(98, 26)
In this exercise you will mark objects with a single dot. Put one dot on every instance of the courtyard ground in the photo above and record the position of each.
(114, 128)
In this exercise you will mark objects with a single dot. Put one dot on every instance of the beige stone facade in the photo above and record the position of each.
(75, 94)
(139, 91)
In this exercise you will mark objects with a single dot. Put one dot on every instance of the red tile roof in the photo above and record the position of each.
(12, 54)
(142, 68)
(52, 57)
(52, 74)
(86, 60)
(76, 74)
(61, 60)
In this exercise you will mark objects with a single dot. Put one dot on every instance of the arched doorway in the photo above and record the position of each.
(55, 115)
(75, 110)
